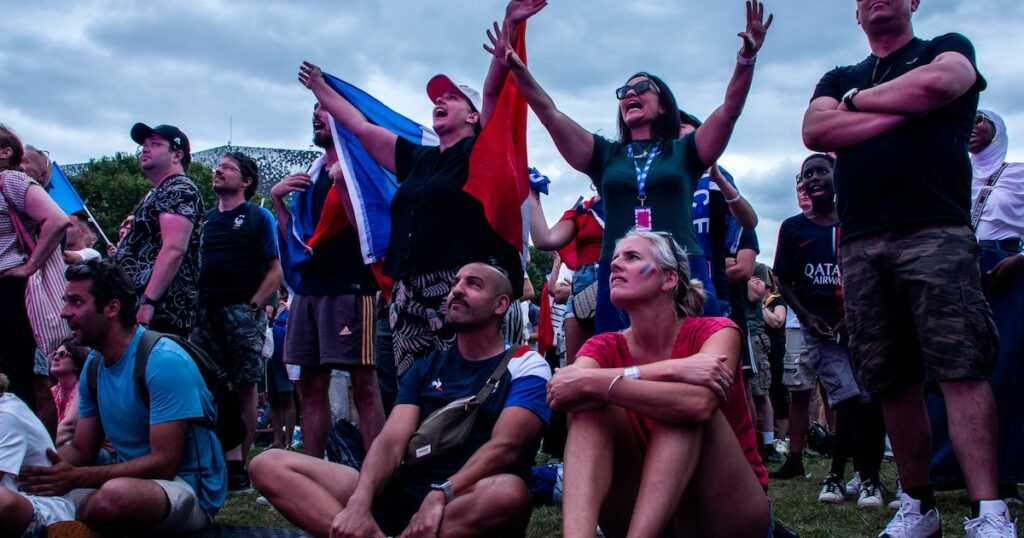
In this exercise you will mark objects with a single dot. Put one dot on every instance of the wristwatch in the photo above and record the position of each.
(446, 488)
(254, 307)
(633, 372)
(145, 299)
(848, 99)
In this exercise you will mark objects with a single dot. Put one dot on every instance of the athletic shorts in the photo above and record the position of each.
(915, 308)
(761, 382)
(797, 374)
(234, 338)
(332, 331)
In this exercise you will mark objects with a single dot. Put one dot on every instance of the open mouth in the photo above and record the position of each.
(318, 125)
(633, 104)
(440, 112)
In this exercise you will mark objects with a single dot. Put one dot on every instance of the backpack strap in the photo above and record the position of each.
(91, 374)
(146, 342)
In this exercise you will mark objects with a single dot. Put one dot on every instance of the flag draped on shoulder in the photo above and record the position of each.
(498, 175)
(369, 186)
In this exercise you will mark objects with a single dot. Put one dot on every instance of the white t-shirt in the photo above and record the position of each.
(87, 254)
(23, 441)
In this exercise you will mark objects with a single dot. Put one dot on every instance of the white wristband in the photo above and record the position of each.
(731, 201)
(745, 61)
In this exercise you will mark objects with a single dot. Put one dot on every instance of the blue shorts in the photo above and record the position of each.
(581, 279)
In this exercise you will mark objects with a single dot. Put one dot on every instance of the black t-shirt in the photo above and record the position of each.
(337, 268)
(914, 175)
(434, 223)
(738, 292)
(806, 259)
(233, 254)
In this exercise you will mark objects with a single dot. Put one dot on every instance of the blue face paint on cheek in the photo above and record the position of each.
(645, 269)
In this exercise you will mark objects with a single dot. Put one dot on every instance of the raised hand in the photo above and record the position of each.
(499, 44)
(519, 10)
(757, 27)
(310, 75)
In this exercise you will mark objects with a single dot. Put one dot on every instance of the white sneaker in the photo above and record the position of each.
(870, 494)
(909, 523)
(831, 489)
(853, 486)
(991, 526)
(895, 503)
(781, 447)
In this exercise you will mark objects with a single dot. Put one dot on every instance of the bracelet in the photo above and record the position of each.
(731, 201)
(608, 396)
(745, 61)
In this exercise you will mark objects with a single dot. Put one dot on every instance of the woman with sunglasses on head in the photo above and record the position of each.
(648, 176)
(436, 227)
(660, 433)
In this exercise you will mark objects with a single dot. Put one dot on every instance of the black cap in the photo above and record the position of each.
(141, 131)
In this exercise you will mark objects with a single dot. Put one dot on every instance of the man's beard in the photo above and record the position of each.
(322, 141)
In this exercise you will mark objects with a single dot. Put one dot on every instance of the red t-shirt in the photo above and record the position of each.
(588, 238)
(610, 350)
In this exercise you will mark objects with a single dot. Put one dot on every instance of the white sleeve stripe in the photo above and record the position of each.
(531, 363)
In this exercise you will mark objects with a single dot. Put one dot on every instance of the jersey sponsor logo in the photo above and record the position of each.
(823, 273)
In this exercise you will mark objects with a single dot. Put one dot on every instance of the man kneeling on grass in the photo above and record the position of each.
(477, 488)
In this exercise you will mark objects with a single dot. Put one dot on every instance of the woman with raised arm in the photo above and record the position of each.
(655, 439)
(436, 227)
(647, 177)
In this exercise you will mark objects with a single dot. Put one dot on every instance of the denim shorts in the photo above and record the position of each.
(581, 278)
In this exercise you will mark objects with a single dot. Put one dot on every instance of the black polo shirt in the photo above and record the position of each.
(917, 174)
(435, 225)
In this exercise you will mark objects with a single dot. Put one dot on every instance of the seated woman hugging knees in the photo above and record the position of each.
(660, 432)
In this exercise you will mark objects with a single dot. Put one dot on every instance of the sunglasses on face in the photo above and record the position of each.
(639, 88)
(61, 354)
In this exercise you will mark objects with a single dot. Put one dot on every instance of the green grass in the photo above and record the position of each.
(794, 501)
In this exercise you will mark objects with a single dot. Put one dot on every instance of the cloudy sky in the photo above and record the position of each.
(77, 75)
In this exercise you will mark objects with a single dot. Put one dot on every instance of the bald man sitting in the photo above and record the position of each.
(477, 490)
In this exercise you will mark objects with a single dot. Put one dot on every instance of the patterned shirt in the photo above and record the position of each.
(15, 187)
(137, 253)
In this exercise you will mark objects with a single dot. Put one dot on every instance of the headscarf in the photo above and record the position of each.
(988, 160)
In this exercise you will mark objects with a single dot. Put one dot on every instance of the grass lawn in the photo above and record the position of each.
(795, 503)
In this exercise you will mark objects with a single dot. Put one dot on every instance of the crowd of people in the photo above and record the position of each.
(667, 369)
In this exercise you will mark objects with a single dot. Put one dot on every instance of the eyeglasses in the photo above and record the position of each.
(226, 166)
(640, 88)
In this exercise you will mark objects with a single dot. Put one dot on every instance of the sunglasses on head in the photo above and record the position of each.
(640, 88)
(980, 117)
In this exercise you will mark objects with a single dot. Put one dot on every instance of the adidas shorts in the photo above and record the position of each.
(331, 331)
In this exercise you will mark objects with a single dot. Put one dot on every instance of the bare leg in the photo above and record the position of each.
(722, 482)
(247, 398)
(125, 505)
(366, 395)
(325, 487)
(672, 456)
(799, 401)
(599, 440)
(971, 408)
(765, 415)
(906, 420)
(16, 513)
(495, 506)
(288, 409)
(316, 409)
(277, 418)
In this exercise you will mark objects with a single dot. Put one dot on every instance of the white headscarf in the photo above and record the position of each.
(988, 160)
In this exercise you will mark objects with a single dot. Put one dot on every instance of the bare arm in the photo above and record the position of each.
(741, 208)
(516, 12)
(515, 429)
(921, 90)
(574, 143)
(175, 231)
(741, 268)
(712, 137)
(828, 128)
(271, 282)
(378, 141)
(166, 441)
(775, 316)
(85, 441)
(52, 223)
(545, 238)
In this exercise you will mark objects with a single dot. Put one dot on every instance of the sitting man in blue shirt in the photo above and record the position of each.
(478, 488)
(170, 475)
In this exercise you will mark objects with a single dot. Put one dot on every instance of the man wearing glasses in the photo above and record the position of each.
(160, 253)
(900, 122)
(240, 272)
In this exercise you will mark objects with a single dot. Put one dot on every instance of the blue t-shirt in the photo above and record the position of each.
(176, 392)
(234, 250)
(445, 376)
(716, 229)
(807, 258)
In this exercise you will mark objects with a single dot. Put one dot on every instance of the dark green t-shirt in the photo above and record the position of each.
(671, 181)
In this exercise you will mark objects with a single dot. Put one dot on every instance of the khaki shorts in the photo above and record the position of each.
(761, 382)
(797, 373)
(185, 515)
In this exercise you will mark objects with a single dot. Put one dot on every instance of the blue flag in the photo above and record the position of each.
(63, 193)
